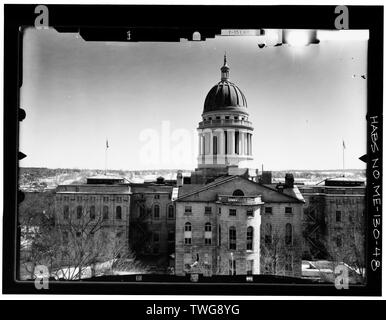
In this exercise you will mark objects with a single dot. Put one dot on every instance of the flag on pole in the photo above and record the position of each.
(107, 143)
(344, 146)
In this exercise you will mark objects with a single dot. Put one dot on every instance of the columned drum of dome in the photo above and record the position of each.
(225, 132)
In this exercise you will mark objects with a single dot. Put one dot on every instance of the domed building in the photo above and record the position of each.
(225, 132)
(226, 220)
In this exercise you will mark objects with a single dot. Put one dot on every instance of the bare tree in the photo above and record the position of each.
(87, 242)
(277, 252)
(70, 247)
(345, 244)
(35, 223)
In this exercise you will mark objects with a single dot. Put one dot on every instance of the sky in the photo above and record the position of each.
(146, 99)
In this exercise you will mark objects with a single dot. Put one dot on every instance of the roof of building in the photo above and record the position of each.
(293, 192)
(105, 176)
(185, 191)
(225, 95)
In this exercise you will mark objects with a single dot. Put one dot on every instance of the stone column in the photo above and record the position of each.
(245, 143)
(241, 143)
(250, 138)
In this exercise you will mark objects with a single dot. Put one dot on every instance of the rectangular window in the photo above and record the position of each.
(250, 213)
(208, 210)
(156, 196)
(288, 209)
(105, 199)
(188, 209)
(232, 212)
(249, 267)
(338, 216)
(119, 199)
(219, 210)
(170, 212)
(232, 238)
(268, 210)
(188, 240)
(79, 198)
(208, 241)
(249, 238)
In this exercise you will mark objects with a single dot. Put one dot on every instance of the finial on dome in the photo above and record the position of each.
(225, 69)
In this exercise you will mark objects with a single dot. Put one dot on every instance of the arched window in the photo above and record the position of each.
(79, 212)
(238, 193)
(66, 212)
(188, 233)
(118, 213)
(208, 233)
(288, 233)
(268, 233)
(196, 36)
(232, 238)
(92, 213)
(170, 212)
(250, 238)
(105, 212)
(156, 212)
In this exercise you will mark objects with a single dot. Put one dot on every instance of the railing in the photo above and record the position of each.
(216, 122)
(239, 200)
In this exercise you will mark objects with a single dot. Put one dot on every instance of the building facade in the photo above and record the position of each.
(153, 221)
(228, 222)
(226, 219)
(93, 218)
(119, 215)
(334, 220)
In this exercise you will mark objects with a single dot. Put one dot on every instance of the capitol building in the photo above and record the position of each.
(227, 218)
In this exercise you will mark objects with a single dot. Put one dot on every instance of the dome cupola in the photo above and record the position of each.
(225, 95)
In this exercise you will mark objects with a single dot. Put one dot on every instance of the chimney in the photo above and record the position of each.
(160, 180)
(289, 180)
(266, 177)
(180, 180)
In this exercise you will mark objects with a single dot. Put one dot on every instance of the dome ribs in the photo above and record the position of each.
(223, 96)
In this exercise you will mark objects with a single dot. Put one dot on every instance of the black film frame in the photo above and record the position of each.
(170, 23)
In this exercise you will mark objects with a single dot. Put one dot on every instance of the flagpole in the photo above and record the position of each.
(107, 146)
(343, 147)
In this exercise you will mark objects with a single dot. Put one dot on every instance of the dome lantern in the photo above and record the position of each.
(225, 95)
(225, 70)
